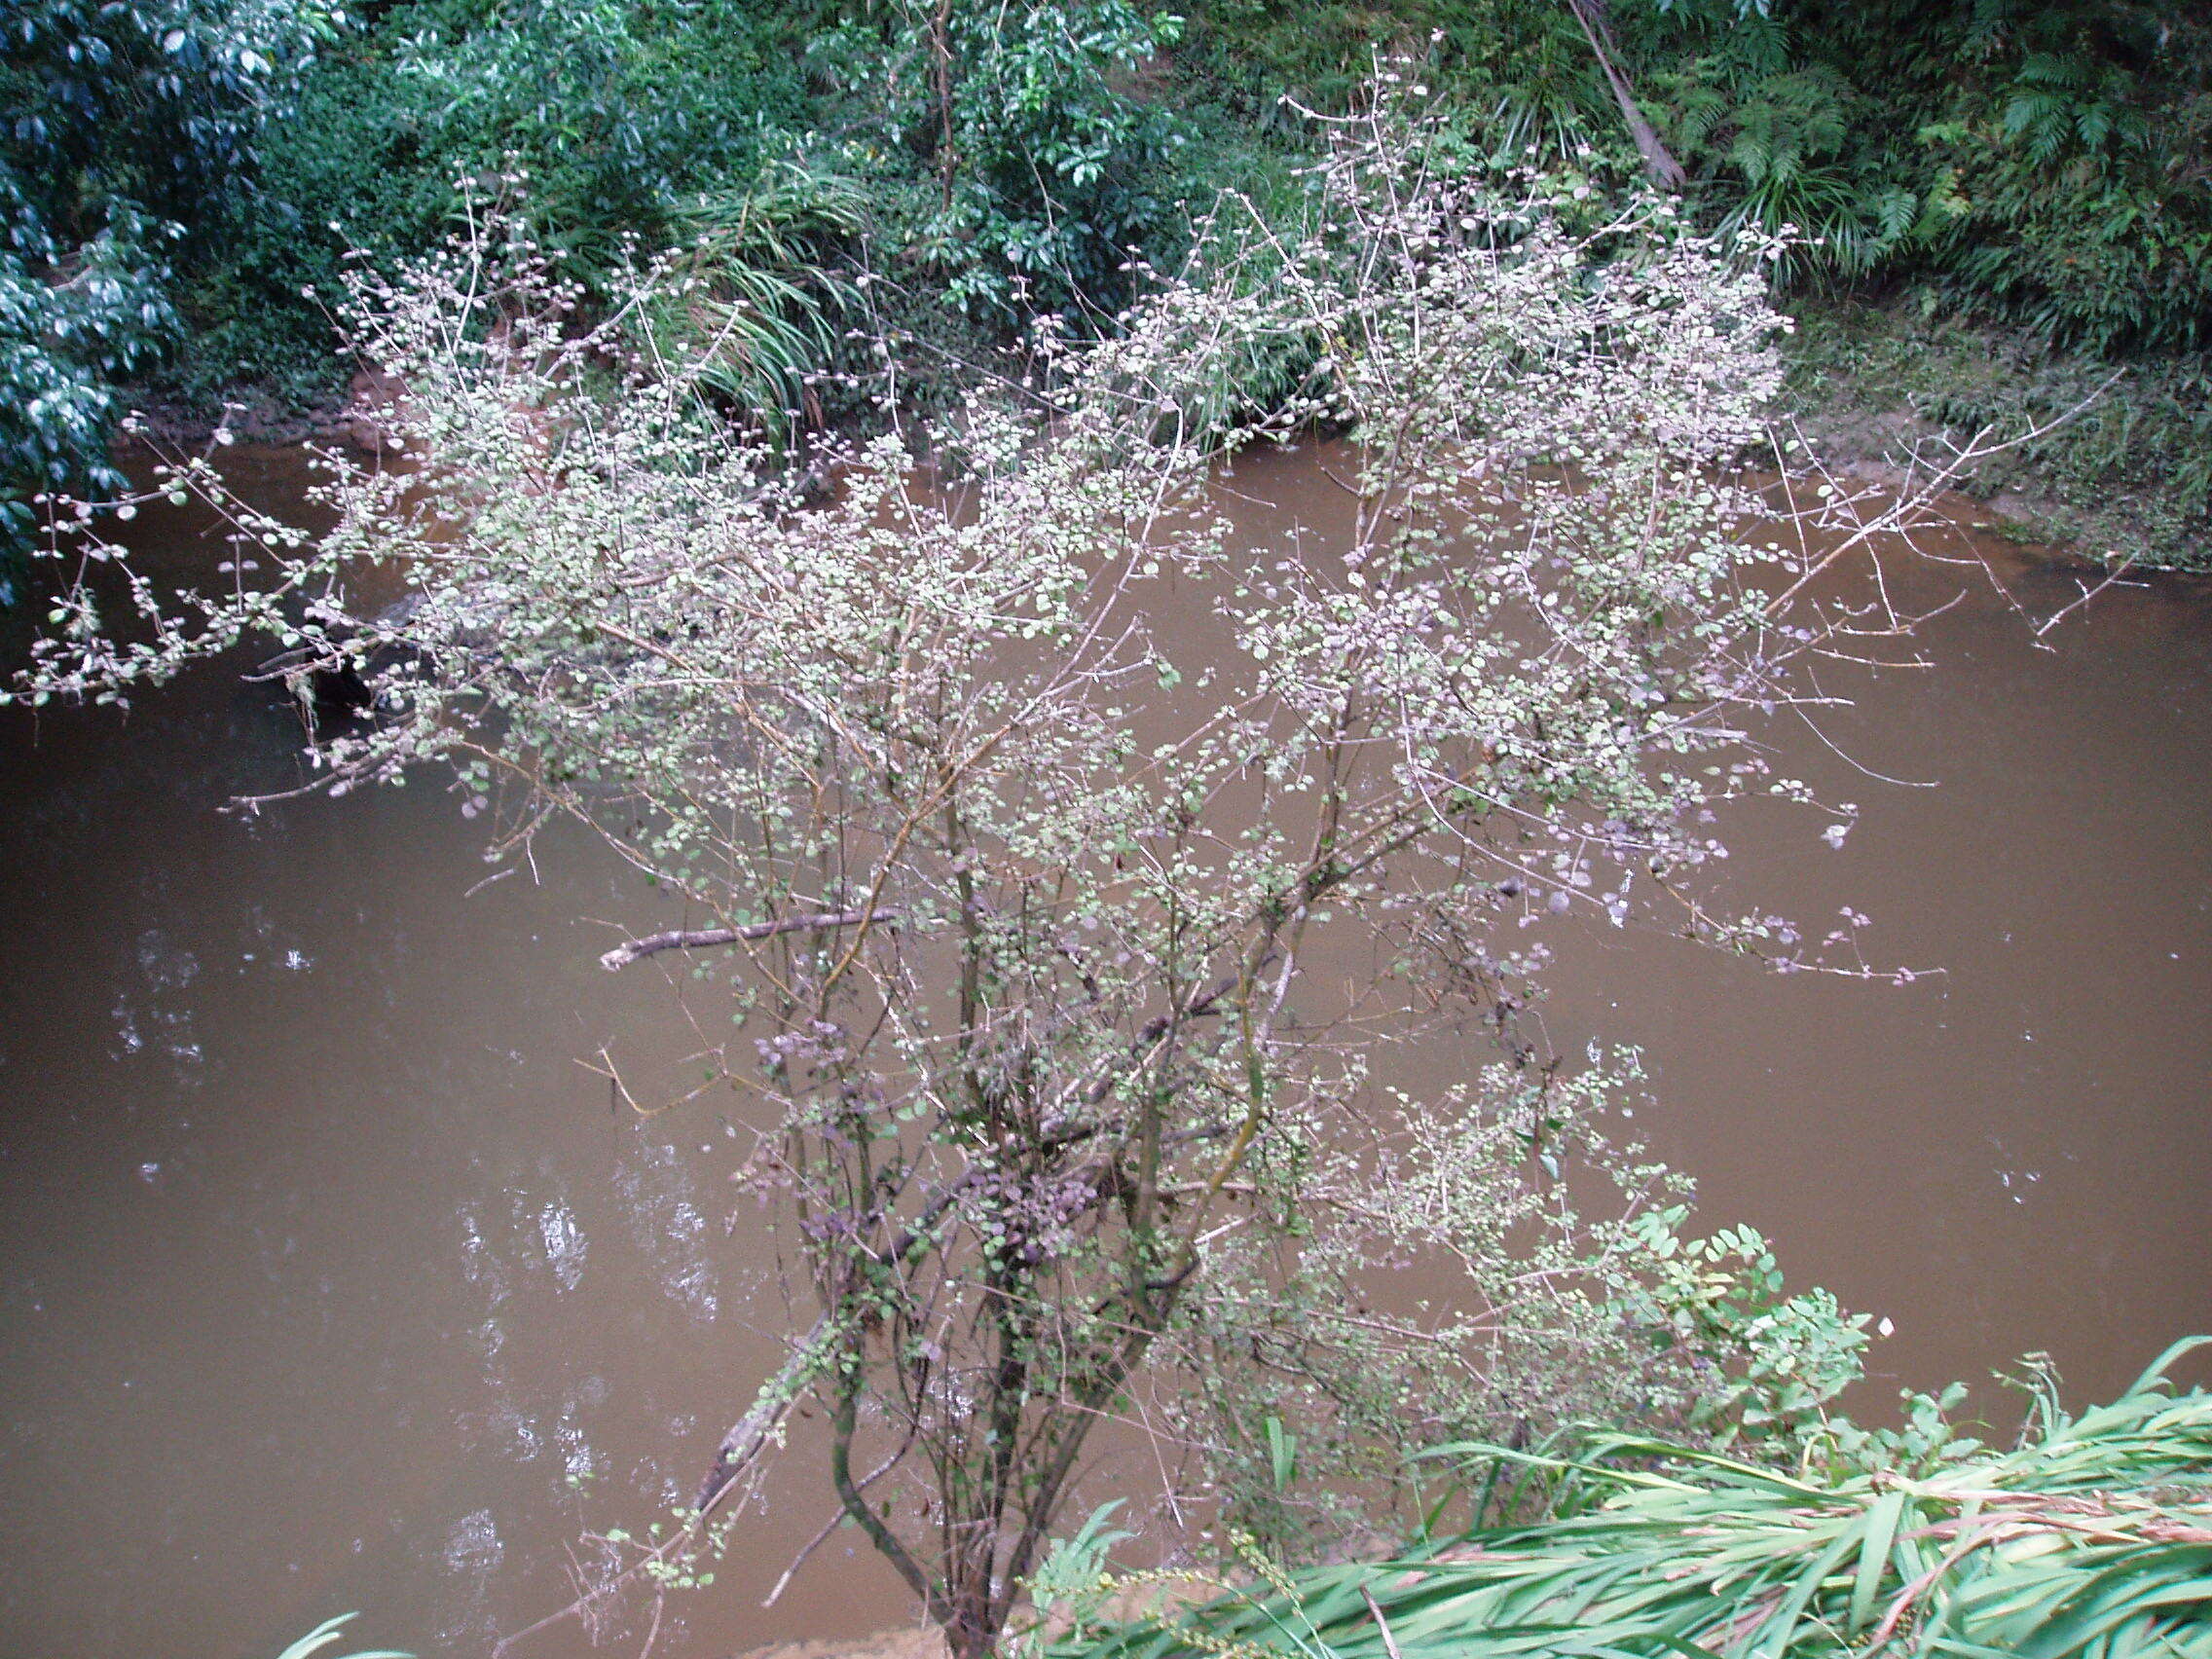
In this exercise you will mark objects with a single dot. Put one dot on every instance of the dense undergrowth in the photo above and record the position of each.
(2090, 1539)
(2021, 188)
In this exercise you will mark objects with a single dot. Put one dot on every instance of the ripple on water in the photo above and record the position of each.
(660, 1195)
(565, 1244)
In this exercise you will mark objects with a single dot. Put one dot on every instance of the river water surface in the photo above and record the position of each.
(330, 1279)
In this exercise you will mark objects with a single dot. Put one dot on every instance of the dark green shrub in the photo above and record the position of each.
(1019, 150)
(130, 138)
(609, 115)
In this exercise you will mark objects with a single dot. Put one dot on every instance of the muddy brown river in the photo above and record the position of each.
(331, 1277)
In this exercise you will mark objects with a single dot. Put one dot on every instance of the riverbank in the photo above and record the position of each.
(2115, 482)
(911, 1642)
(344, 412)
(2119, 472)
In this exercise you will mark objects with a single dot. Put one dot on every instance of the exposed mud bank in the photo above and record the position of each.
(255, 415)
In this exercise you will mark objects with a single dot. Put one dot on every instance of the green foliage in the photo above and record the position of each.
(2037, 163)
(153, 104)
(1011, 157)
(1768, 1364)
(613, 109)
(64, 340)
(327, 1633)
(2092, 252)
(1024, 151)
(130, 133)
(1068, 1591)
(2080, 158)
(356, 166)
(1522, 66)
(607, 116)
(1252, 53)
(2091, 1540)
(763, 308)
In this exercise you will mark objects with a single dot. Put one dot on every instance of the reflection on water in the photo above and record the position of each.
(329, 1279)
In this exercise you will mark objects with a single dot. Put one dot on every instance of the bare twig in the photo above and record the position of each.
(706, 939)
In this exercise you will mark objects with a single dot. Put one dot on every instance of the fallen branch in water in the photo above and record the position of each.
(702, 938)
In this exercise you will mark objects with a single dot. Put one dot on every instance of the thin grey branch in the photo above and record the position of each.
(705, 938)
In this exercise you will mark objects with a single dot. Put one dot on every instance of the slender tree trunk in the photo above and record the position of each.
(941, 45)
(1658, 161)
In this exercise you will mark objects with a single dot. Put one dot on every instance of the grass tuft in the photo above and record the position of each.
(2092, 1539)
